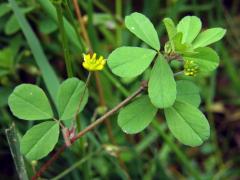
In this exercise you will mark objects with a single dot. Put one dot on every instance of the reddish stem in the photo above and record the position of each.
(49, 162)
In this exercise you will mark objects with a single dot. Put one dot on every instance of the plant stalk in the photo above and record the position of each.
(81, 22)
(81, 98)
(14, 145)
(64, 40)
(96, 75)
(70, 17)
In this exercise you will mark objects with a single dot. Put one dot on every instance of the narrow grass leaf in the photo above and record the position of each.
(49, 76)
(51, 12)
(14, 144)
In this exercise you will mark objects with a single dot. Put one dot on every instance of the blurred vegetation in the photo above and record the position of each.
(152, 154)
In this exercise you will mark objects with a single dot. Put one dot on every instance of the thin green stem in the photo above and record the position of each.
(76, 165)
(118, 8)
(210, 115)
(81, 98)
(64, 40)
(116, 83)
(109, 113)
(81, 23)
(77, 120)
(105, 9)
(64, 131)
(60, 123)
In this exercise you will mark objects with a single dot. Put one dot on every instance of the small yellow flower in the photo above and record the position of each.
(190, 68)
(91, 63)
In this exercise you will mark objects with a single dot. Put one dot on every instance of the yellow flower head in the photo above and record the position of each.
(190, 68)
(91, 63)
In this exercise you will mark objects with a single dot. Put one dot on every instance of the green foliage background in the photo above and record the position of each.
(152, 154)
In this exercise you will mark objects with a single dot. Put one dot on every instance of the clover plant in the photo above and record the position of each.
(179, 99)
(167, 91)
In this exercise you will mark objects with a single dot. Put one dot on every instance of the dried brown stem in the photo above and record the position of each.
(109, 113)
(81, 22)
(103, 104)
(49, 162)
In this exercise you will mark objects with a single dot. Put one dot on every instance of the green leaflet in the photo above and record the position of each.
(162, 86)
(171, 30)
(39, 140)
(68, 98)
(178, 46)
(175, 45)
(208, 37)
(4, 94)
(47, 25)
(12, 25)
(6, 59)
(4, 9)
(190, 26)
(170, 26)
(142, 27)
(137, 115)
(130, 61)
(187, 123)
(188, 92)
(29, 102)
(206, 58)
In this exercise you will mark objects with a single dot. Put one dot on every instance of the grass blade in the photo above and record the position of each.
(49, 76)
(77, 164)
(51, 11)
(14, 145)
(179, 153)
